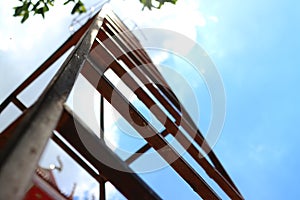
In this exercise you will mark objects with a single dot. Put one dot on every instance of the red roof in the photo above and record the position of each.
(45, 187)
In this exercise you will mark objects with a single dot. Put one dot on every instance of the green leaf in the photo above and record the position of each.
(81, 8)
(18, 10)
(42, 6)
(25, 17)
(147, 3)
(35, 6)
(78, 8)
(75, 8)
(26, 5)
(171, 1)
(40, 11)
(50, 2)
(68, 2)
(45, 8)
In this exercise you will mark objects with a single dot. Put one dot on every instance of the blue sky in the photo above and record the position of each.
(255, 46)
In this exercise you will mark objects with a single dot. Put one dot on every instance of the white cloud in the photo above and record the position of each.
(23, 47)
(168, 17)
(20, 38)
(214, 19)
(37, 38)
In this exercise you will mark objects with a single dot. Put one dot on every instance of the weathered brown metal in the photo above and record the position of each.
(137, 53)
(135, 188)
(19, 104)
(133, 43)
(184, 124)
(19, 158)
(132, 51)
(151, 136)
(102, 191)
(233, 190)
(102, 117)
(138, 70)
(170, 126)
(73, 155)
(7, 136)
(142, 150)
(128, 49)
(199, 137)
(70, 42)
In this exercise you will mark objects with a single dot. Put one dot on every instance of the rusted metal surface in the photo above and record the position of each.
(134, 117)
(143, 149)
(170, 126)
(186, 121)
(44, 116)
(7, 136)
(123, 178)
(20, 157)
(136, 51)
(138, 69)
(73, 155)
(70, 42)
(102, 191)
(107, 60)
(102, 117)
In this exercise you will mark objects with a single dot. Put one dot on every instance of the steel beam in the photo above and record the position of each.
(44, 114)
(158, 142)
(123, 178)
(70, 42)
(20, 157)
(171, 127)
(131, 46)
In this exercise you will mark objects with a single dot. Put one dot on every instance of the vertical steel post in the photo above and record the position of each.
(19, 158)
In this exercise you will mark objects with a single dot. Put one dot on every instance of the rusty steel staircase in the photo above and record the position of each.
(23, 141)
